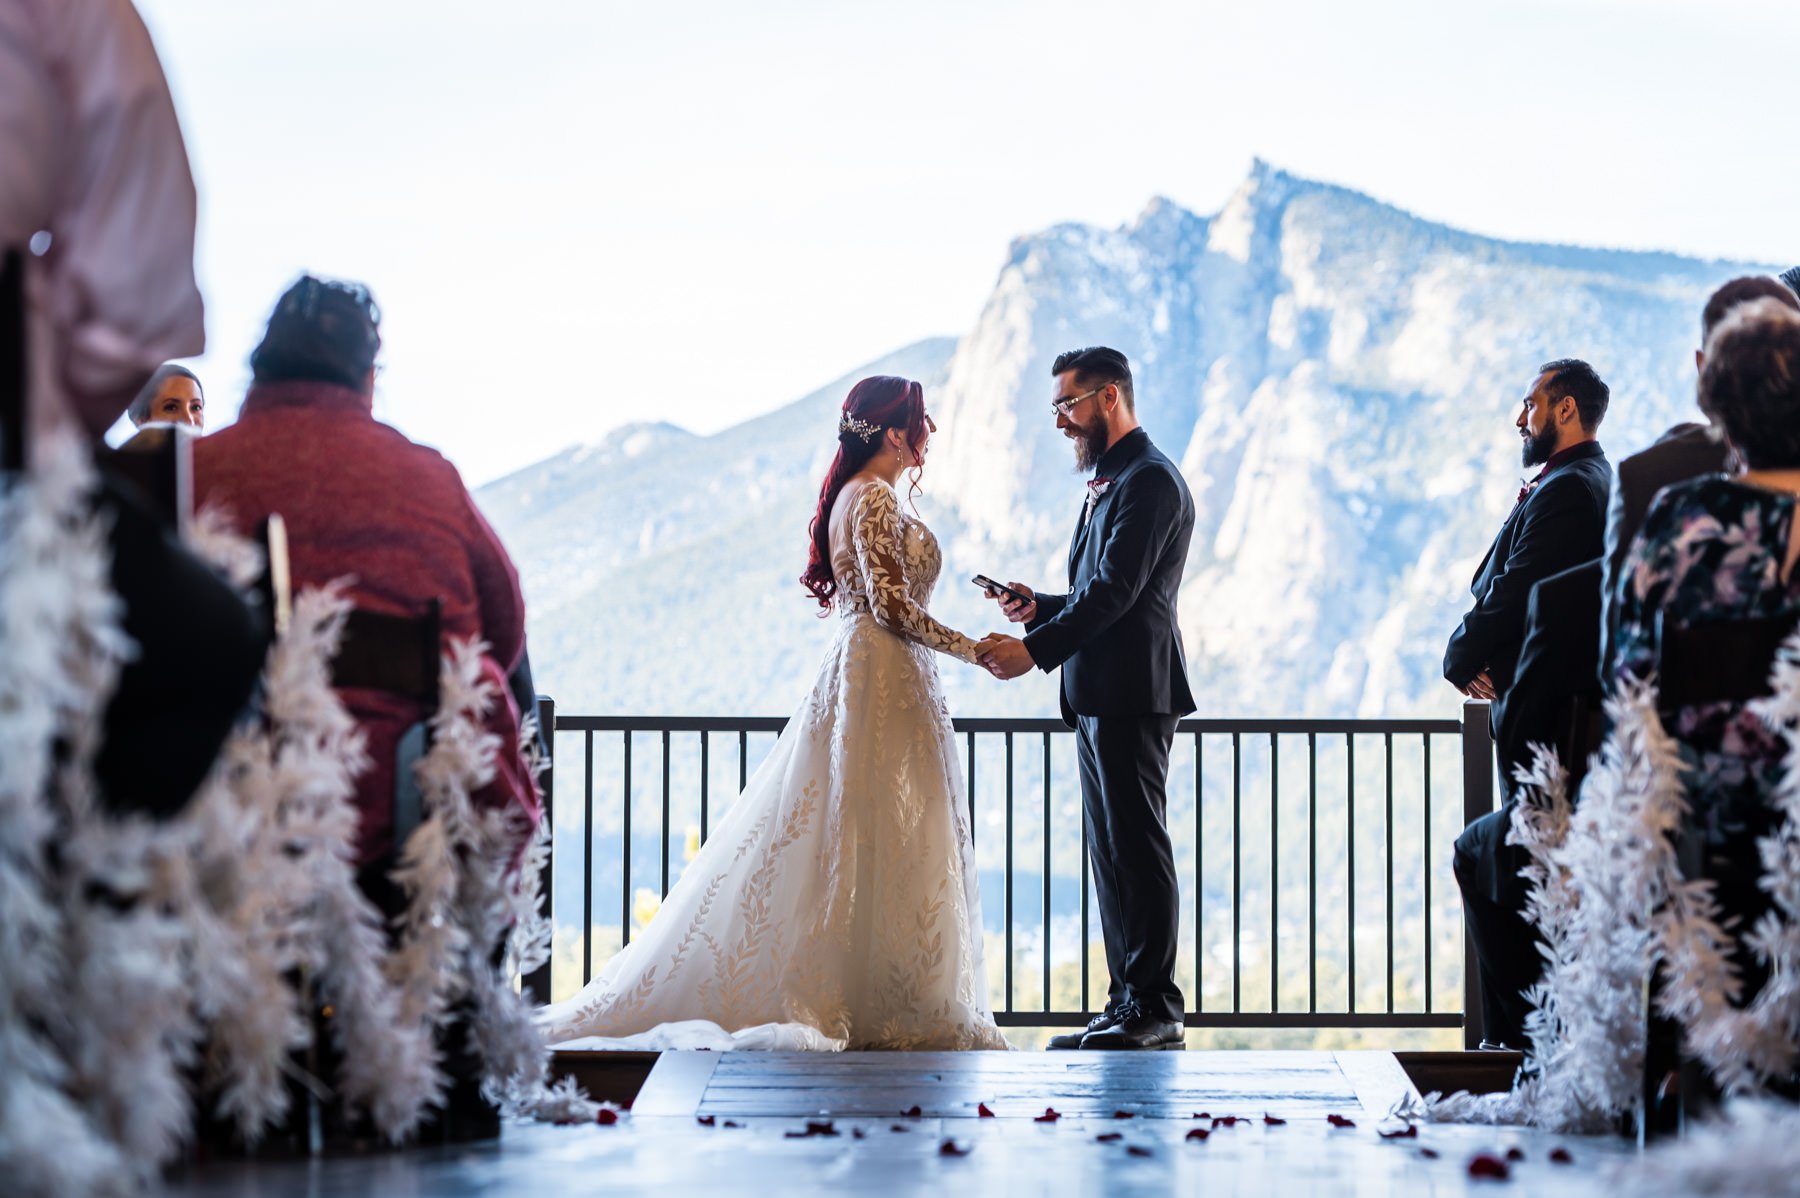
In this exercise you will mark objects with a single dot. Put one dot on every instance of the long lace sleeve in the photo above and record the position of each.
(875, 534)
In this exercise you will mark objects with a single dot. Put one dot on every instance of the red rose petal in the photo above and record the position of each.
(1138, 1150)
(982, 1111)
(607, 1117)
(815, 1128)
(1340, 1121)
(1430, 1154)
(1409, 1132)
(1124, 1115)
(1202, 1115)
(730, 1123)
(1198, 1133)
(897, 1127)
(1483, 1164)
(1560, 1156)
(1109, 1137)
(1515, 1153)
(1228, 1121)
(1272, 1121)
(916, 1112)
(706, 1120)
(952, 1148)
(859, 1133)
(1049, 1116)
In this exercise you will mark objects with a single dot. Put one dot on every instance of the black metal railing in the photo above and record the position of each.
(1400, 788)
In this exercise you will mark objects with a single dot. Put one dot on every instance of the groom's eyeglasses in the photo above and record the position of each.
(1065, 406)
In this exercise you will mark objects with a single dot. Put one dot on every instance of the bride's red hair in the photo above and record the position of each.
(884, 401)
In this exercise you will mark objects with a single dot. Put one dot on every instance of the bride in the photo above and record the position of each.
(835, 906)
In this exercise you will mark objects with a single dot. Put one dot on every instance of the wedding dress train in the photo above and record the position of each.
(835, 905)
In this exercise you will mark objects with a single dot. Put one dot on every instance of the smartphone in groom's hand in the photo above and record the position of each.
(990, 586)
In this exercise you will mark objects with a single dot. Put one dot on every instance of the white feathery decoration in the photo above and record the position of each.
(1754, 1149)
(120, 1020)
(245, 891)
(1594, 883)
(1610, 902)
(59, 629)
(460, 861)
(388, 1064)
(239, 559)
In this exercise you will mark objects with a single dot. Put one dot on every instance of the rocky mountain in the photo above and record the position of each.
(1337, 377)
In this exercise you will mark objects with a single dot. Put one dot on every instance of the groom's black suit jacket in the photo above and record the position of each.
(1114, 633)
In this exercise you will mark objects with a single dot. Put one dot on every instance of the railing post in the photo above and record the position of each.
(537, 982)
(1478, 800)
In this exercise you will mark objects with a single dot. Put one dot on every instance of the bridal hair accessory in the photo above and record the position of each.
(862, 428)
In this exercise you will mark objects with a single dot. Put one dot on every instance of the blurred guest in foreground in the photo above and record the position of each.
(1720, 550)
(363, 503)
(172, 396)
(1685, 451)
(98, 204)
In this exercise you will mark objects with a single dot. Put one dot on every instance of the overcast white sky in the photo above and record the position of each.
(583, 213)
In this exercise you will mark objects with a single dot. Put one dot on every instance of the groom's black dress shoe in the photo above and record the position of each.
(1098, 1023)
(1138, 1029)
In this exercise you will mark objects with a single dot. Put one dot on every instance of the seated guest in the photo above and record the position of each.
(363, 503)
(1554, 527)
(1720, 549)
(172, 396)
(1685, 451)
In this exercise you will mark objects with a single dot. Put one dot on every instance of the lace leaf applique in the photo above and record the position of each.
(878, 536)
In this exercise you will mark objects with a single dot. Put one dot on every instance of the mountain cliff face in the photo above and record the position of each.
(1337, 378)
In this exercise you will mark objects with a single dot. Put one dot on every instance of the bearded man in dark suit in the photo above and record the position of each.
(1124, 686)
(1557, 524)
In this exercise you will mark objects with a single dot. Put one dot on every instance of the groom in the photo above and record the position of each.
(1124, 686)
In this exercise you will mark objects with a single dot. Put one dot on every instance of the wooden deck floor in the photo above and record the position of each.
(1082, 1085)
(709, 1123)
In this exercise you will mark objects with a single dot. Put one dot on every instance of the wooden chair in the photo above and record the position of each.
(159, 462)
(1727, 662)
(398, 655)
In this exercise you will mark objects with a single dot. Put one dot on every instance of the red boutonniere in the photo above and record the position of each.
(1096, 488)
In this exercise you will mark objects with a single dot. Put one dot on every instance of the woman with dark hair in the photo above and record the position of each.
(172, 396)
(1722, 549)
(835, 906)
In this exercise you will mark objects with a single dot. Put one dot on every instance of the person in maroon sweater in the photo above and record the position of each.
(363, 503)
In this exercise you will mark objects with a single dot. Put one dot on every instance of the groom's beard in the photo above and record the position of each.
(1539, 449)
(1090, 444)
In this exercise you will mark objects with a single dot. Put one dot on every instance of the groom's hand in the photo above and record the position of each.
(1018, 613)
(1006, 656)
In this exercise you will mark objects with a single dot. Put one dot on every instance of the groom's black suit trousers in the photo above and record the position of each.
(1124, 765)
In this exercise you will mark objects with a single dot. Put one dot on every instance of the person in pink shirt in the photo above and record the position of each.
(97, 197)
(363, 503)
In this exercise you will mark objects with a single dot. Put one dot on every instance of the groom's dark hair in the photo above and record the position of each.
(1096, 365)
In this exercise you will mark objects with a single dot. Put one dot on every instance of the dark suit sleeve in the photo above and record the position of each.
(1557, 662)
(1559, 529)
(1148, 506)
(1048, 608)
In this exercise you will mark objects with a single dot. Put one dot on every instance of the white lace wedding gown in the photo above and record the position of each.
(835, 906)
